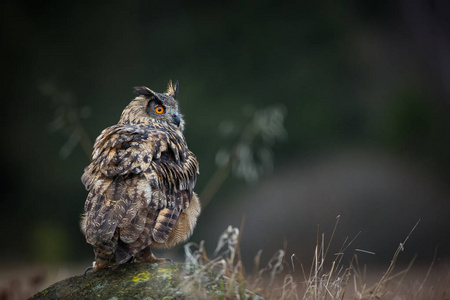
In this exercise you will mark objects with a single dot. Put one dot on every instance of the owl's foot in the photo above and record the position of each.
(95, 267)
(146, 255)
(98, 265)
(151, 259)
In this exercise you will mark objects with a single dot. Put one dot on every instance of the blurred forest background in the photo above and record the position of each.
(359, 92)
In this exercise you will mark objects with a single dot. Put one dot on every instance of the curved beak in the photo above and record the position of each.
(176, 119)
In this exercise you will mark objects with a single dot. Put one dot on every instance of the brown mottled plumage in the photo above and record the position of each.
(140, 182)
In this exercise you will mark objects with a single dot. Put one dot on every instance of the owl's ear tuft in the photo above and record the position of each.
(144, 91)
(172, 90)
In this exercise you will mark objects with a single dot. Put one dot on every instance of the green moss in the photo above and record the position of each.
(141, 281)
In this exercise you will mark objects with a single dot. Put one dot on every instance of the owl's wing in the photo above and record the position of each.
(140, 179)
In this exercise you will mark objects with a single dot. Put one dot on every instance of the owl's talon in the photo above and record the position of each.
(88, 270)
(168, 259)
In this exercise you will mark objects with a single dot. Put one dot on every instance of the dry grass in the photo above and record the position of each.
(328, 278)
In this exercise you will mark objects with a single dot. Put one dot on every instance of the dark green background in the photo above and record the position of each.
(371, 74)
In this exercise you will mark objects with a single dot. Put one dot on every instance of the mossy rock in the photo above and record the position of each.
(146, 281)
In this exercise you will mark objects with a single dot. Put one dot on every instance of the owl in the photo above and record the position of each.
(141, 183)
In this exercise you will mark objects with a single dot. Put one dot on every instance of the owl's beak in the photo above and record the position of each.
(176, 119)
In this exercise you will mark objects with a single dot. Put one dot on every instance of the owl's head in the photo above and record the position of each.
(150, 107)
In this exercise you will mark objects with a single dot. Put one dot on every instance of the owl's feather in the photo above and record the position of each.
(140, 180)
(164, 224)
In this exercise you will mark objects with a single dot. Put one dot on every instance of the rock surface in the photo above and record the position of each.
(145, 281)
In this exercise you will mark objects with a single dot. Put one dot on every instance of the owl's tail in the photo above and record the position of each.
(126, 250)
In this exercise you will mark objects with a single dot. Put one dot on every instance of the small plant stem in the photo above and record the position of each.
(213, 185)
(83, 137)
(222, 173)
(332, 235)
(388, 272)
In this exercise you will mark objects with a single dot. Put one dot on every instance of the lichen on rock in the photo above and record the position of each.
(143, 281)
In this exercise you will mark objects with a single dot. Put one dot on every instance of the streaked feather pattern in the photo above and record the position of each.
(140, 180)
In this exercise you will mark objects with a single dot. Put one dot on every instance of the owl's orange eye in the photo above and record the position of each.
(159, 109)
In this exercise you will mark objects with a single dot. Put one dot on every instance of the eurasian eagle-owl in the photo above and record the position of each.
(140, 182)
